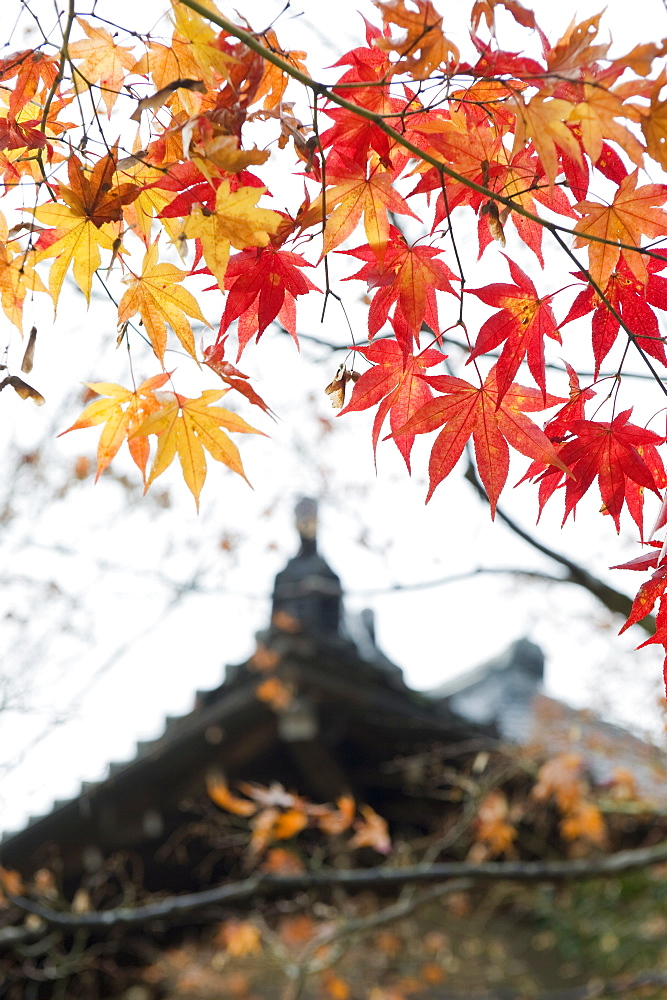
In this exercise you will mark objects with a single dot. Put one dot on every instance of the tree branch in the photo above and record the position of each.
(613, 600)
(265, 885)
(249, 39)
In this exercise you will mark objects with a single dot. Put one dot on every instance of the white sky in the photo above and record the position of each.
(100, 628)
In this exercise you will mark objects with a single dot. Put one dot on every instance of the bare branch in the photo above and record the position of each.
(265, 885)
(612, 599)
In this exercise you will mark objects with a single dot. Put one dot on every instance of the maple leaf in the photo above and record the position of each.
(493, 831)
(396, 380)
(30, 67)
(424, 47)
(522, 180)
(195, 53)
(471, 148)
(356, 194)
(84, 223)
(336, 821)
(214, 357)
(159, 299)
(151, 201)
(651, 590)
(264, 278)
(219, 792)
(351, 135)
(487, 10)
(575, 50)
(17, 277)
(122, 411)
(409, 277)
(103, 62)
(561, 779)
(239, 938)
(631, 215)
(543, 121)
(559, 426)
(632, 300)
(595, 115)
(606, 451)
(236, 221)
(371, 831)
(274, 81)
(523, 322)
(468, 410)
(189, 428)
(654, 123)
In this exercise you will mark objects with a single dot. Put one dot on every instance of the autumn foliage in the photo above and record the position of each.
(127, 158)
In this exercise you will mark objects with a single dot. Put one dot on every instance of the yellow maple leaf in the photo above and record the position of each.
(79, 244)
(103, 63)
(149, 202)
(189, 428)
(192, 54)
(631, 215)
(88, 220)
(223, 151)
(236, 222)
(159, 299)
(201, 41)
(122, 411)
(17, 276)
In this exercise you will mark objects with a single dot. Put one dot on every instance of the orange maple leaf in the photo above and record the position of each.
(424, 47)
(576, 49)
(103, 63)
(631, 215)
(371, 831)
(239, 938)
(542, 121)
(219, 792)
(654, 123)
(595, 115)
(274, 82)
(492, 827)
(354, 195)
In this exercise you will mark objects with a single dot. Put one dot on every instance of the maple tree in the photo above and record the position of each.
(150, 161)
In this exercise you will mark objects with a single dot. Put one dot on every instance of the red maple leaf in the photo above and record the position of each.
(632, 300)
(397, 381)
(523, 322)
(610, 452)
(560, 424)
(409, 277)
(352, 135)
(214, 357)
(263, 283)
(468, 410)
